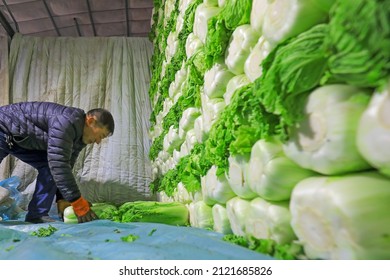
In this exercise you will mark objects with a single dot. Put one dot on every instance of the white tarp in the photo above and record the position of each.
(111, 72)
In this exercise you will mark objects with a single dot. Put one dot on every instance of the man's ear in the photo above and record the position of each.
(89, 120)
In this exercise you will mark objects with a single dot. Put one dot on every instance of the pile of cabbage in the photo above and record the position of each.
(271, 121)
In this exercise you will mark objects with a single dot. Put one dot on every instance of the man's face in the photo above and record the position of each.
(93, 132)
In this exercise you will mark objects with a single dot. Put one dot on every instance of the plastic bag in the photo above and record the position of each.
(12, 184)
(9, 209)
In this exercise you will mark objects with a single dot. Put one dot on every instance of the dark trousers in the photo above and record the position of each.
(45, 188)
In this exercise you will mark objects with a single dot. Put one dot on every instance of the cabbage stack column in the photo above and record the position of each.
(271, 121)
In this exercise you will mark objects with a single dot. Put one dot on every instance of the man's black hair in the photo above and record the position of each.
(104, 118)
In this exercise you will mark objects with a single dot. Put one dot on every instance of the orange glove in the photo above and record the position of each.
(82, 209)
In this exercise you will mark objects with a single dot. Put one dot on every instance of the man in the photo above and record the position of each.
(49, 137)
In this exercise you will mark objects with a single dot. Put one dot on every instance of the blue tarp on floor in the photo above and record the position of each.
(102, 239)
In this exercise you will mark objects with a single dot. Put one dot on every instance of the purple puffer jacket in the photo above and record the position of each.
(52, 127)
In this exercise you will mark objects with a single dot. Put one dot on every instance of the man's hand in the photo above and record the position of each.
(90, 216)
(62, 204)
(83, 211)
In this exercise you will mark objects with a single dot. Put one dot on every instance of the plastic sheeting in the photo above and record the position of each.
(102, 239)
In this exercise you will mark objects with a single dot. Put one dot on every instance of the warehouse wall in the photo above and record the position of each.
(98, 72)
(4, 91)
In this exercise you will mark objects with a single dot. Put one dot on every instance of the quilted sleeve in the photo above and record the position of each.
(60, 155)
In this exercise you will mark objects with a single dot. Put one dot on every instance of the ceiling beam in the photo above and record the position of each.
(4, 22)
(127, 18)
(77, 26)
(51, 18)
(91, 18)
(11, 14)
